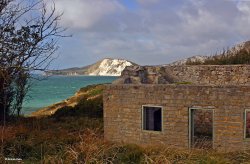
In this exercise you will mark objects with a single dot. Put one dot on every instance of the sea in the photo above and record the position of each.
(45, 91)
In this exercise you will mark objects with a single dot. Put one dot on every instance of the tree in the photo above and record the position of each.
(29, 33)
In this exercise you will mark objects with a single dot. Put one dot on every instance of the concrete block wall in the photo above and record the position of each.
(123, 113)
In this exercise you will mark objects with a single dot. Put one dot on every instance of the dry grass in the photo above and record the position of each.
(81, 140)
(91, 149)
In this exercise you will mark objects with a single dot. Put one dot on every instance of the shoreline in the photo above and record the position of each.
(89, 92)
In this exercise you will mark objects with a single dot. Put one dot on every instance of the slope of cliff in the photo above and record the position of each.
(105, 67)
(91, 92)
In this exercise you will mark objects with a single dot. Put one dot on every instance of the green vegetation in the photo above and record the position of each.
(86, 107)
(73, 135)
(92, 90)
(226, 58)
(89, 104)
(86, 102)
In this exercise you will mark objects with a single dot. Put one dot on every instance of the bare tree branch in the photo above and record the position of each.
(27, 44)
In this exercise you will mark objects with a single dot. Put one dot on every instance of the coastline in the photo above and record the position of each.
(88, 92)
(57, 89)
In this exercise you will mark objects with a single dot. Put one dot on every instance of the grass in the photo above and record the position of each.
(34, 139)
(79, 138)
(225, 58)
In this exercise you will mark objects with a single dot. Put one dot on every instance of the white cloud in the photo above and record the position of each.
(85, 13)
(159, 31)
(244, 7)
(244, 20)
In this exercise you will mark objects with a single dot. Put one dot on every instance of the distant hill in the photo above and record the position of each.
(197, 58)
(105, 67)
(238, 54)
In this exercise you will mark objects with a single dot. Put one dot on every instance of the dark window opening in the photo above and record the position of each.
(152, 118)
(201, 128)
(247, 124)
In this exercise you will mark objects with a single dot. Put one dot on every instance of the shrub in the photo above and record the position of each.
(129, 154)
(86, 107)
(64, 111)
(226, 58)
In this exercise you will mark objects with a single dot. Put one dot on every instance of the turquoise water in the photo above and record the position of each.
(57, 88)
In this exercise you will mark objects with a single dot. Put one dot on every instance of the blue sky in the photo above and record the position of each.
(149, 32)
(130, 4)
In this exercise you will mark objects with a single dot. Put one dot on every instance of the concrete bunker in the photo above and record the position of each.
(211, 111)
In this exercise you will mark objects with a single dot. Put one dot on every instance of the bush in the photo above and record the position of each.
(90, 107)
(40, 139)
(226, 58)
(86, 107)
(64, 111)
(129, 154)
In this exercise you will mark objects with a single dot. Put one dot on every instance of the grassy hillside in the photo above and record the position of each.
(226, 58)
(89, 95)
(74, 134)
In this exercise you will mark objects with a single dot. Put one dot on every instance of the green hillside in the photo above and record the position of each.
(226, 58)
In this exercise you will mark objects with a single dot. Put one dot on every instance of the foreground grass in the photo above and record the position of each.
(35, 139)
(74, 134)
(71, 140)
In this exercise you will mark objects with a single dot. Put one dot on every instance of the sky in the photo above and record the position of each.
(149, 32)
